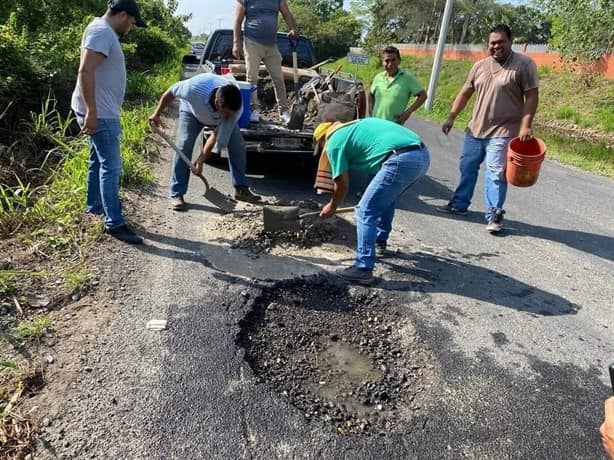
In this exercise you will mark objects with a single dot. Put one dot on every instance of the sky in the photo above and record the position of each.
(208, 15)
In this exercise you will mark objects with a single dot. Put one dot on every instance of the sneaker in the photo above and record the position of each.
(125, 234)
(451, 209)
(177, 203)
(380, 248)
(254, 116)
(356, 275)
(495, 224)
(285, 117)
(244, 194)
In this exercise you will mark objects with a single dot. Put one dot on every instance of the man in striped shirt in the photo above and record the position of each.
(206, 100)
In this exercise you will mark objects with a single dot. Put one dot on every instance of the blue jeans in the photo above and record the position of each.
(228, 134)
(375, 210)
(475, 150)
(104, 172)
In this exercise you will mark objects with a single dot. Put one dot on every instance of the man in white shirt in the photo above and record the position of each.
(206, 100)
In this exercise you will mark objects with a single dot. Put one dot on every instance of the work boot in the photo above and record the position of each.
(356, 275)
(243, 193)
(495, 224)
(125, 234)
(177, 203)
(451, 209)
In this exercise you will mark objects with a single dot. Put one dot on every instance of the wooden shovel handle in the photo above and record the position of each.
(330, 76)
(176, 148)
(338, 211)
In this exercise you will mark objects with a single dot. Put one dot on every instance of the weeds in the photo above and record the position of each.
(17, 432)
(8, 283)
(49, 122)
(5, 363)
(32, 329)
(606, 118)
(78, 279)
(13, 202)
(567, 113)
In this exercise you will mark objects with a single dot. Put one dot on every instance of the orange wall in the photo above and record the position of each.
(604, 66)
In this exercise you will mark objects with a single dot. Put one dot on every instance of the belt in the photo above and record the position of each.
(397, 152)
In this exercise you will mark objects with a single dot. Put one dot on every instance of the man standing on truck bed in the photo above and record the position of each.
(392, 89)
(206, 100)
(260, 44)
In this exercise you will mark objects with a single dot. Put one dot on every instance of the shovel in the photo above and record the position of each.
(212, 195)
(287, 218)
(297, 116)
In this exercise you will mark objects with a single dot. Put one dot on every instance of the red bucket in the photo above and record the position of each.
(524, 160)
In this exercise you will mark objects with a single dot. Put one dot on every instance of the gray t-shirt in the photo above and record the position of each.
(110, 78)
(261, 20)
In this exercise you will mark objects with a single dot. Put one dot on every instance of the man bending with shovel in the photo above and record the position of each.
(394, 156)
(206, 100)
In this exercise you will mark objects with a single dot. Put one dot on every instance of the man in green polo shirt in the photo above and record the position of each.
(392, 89)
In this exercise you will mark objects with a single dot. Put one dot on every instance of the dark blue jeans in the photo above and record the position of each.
(475, 151)
(187, 132)
(104, 172)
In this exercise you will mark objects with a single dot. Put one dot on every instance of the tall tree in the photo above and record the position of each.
(582, 29)
(332, 29)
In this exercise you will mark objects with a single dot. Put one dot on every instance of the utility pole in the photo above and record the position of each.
(219, 22)
(443, 31)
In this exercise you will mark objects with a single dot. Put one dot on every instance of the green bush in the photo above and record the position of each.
(17, 75)
(151, 46)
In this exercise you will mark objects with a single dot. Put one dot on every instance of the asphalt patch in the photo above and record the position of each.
(345, 357)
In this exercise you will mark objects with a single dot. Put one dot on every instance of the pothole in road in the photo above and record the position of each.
(345, 358)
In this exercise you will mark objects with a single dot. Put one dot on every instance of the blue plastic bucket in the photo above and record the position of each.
(246, 94)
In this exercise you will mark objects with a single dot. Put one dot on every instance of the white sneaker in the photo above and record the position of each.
(254, 116)
(285, 117)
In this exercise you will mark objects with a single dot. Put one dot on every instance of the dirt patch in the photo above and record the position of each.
(49, 292)
(346, 358)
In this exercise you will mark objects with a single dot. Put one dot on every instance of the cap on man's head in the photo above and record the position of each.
(130, 7)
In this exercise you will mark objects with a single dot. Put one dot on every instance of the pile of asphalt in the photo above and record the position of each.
(345, 358)
(245, 230)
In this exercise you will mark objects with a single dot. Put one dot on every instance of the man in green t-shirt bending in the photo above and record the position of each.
(393, 156)
(392, 89)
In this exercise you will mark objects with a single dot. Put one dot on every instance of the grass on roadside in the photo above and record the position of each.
(569, 103)
(42, 225)
(33, 329)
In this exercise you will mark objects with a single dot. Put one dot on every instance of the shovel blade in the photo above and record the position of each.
(297, 116)
(280, 218)
(220, 200)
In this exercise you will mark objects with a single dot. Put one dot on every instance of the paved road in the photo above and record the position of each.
(520, 327)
